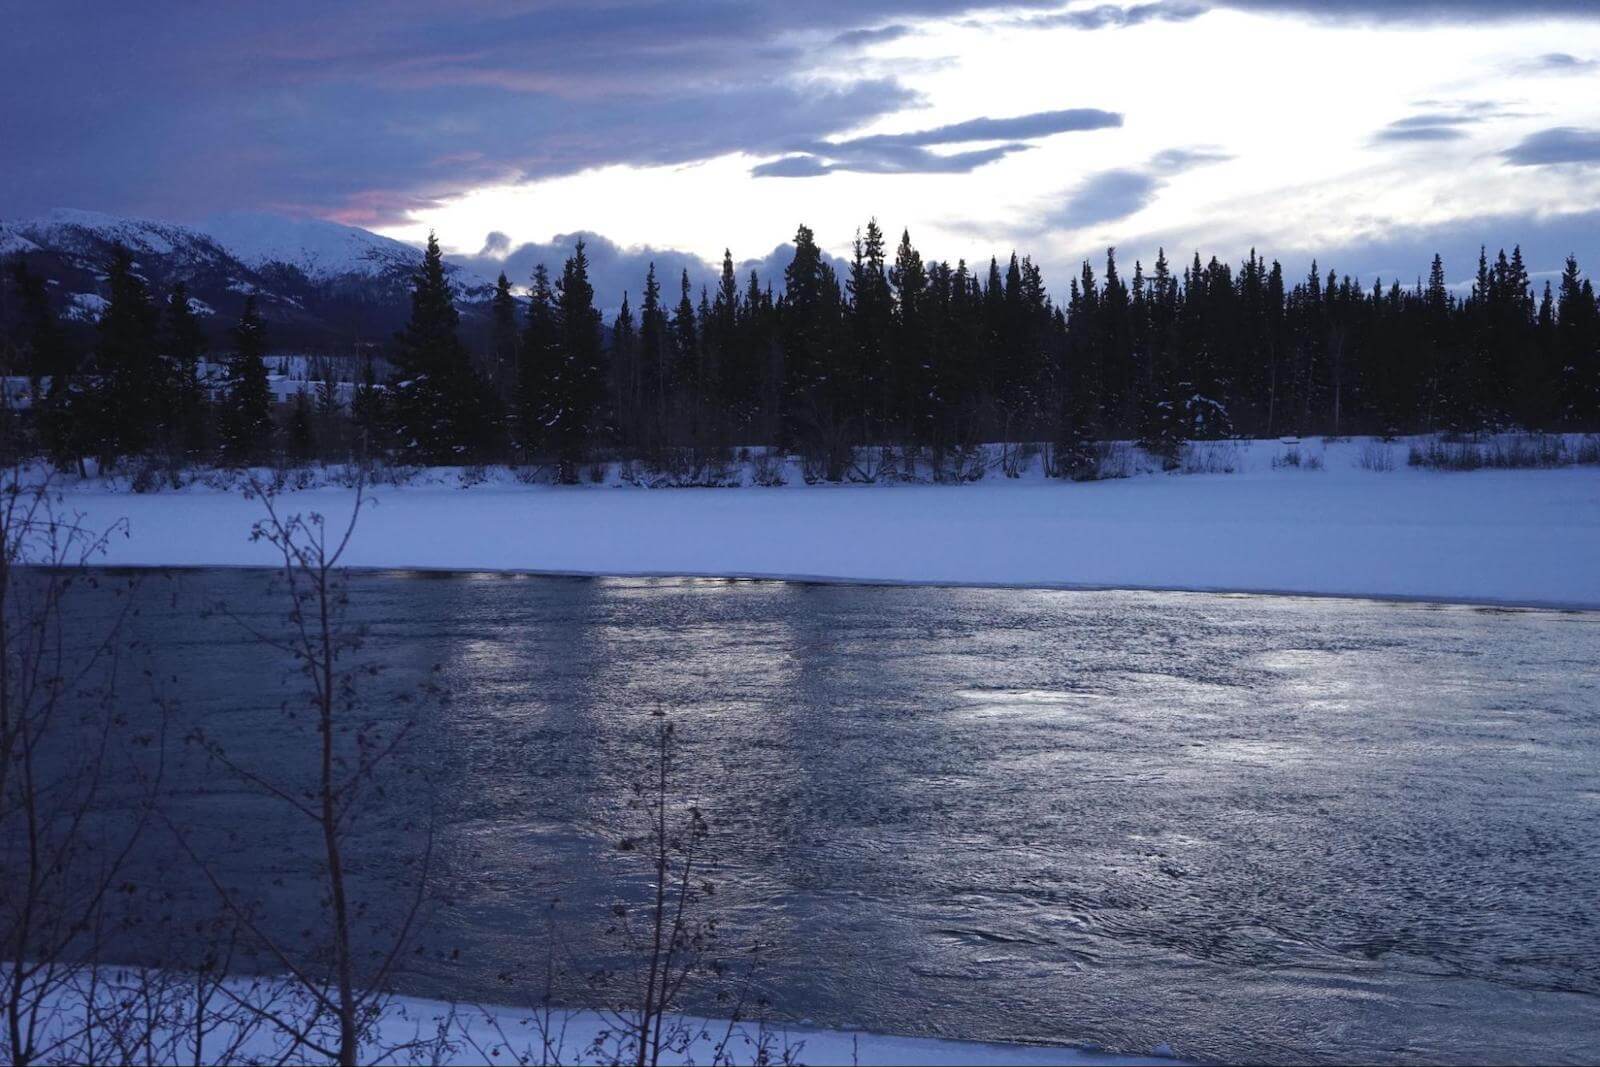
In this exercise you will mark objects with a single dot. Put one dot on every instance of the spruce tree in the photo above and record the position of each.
(128, 364)
(654, 364)
(685, 343)
(730, 365)
(1161, 428)
(246, 419)
(818, 398)
(537, 366)
(871, 314)
(43, 353)
(625, 381)
(369, 411)
(503, 335)
(302, 444)
(184, 344)
(443, 410)
(64, 415)
(580, 380)
(909, 360)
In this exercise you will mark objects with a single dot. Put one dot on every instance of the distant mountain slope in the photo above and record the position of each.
(320, 285)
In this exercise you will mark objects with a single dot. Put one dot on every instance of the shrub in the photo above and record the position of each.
(766, 468)
(1114, 459)
(1292, 457)
(1504, 452)
(1375, 456)
(1209, 457)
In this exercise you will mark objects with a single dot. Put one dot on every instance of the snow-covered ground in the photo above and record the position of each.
(481, 1032)
(154, 1012)
(1339, 527)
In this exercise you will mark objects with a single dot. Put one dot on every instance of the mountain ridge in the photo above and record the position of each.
(318, 284)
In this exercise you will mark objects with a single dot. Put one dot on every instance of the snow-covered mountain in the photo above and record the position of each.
(316, 282)
(322, 251)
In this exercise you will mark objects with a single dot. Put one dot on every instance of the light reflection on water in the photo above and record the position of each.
(1250, 827)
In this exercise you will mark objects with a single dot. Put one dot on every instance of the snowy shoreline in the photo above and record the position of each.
(1496, 537)
(408, 1029)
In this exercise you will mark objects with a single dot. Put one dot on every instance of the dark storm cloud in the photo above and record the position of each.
(365, 110)
(1560, 144)
(907, 153)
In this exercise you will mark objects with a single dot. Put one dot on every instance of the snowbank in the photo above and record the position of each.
(1331, 525)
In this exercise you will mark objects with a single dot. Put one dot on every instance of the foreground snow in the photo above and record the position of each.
(150, 1016)
(1523, 536)
(482, 1031)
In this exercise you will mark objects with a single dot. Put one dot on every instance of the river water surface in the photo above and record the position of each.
(1246, 827)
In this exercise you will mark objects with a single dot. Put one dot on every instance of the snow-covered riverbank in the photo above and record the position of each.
(247, 1019)
(1339, 528)
(498, 1034)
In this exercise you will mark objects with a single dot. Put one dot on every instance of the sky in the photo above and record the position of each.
(1365, 133)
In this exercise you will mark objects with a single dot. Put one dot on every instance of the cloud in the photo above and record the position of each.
(1115, 16)
(1037, 124)
(907, 153)
(368, 109)
(1431, 120)
(1397, 251)
(1110, 16)
(1419, 10)
(802, 166)
(875, 35)
(1115, 194)
(1400, 132)
(1559, 144)
(1422, 134)
(1443, 123)
(1105, 197)
(1178, 159)
(1557, 63)
(890, 159)
(616, 269)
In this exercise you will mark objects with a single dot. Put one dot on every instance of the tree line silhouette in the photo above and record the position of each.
(900, 353)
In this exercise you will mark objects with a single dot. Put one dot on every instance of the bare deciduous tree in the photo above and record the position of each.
(79, 772)
(343, 988)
